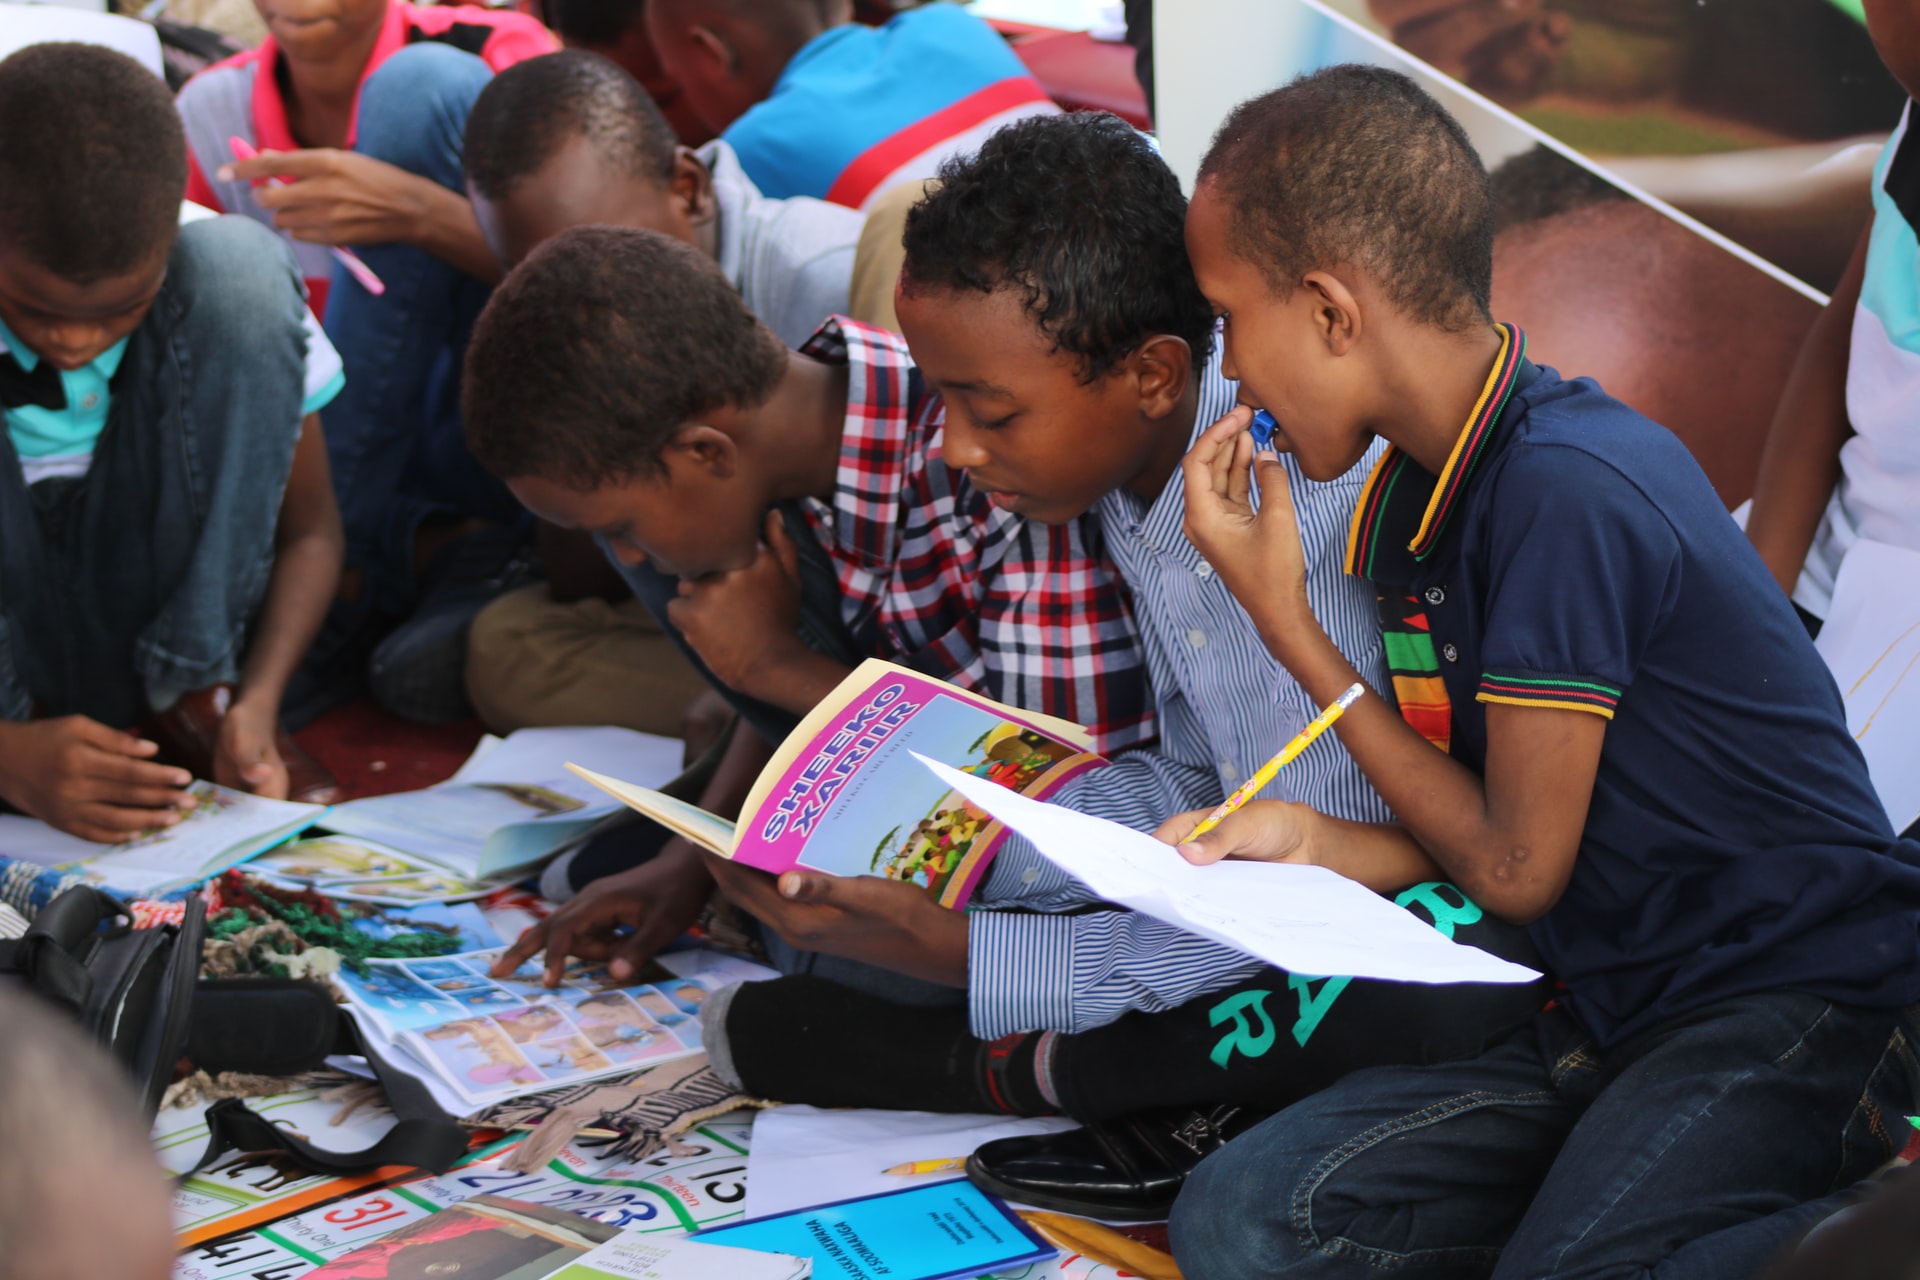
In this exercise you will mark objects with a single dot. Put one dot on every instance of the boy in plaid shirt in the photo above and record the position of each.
(787, 515)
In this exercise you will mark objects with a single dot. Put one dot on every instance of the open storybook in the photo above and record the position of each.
(845, 795)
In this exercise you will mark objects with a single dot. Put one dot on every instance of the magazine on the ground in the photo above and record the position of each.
(939, 1231)
(491, 1039)
(512, 803)
(843, 794)
(223, 829)
(485, 1238)
(359, 870)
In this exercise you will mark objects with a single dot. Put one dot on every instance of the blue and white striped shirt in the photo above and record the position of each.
(1225, 707)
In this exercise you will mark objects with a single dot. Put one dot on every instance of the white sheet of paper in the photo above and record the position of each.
(1871, 641)
(1306, 920)
(32, 840)
(535, 755)
(802, 1156)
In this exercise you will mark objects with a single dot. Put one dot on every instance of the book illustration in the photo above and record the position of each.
(484, 1238)
(362, 871)
(494, 1038)
(844, 795)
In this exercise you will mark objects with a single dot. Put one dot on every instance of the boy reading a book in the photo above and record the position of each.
(1645, 761)
(571, 140)
(620, 386)
(168, 535)
(1071, 383)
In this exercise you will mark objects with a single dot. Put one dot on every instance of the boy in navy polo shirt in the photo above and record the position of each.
(1640, 755)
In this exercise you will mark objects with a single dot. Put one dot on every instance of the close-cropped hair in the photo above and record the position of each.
(1080, 216)
(93, 161)
(594, 22)
(601, 345)
(1358, 166)
(534, 108)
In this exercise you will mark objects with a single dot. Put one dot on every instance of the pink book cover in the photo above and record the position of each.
(850, 800)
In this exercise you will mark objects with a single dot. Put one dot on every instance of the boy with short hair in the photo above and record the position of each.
(818, 105)
(571, 140)
(168, 537)
(1644, 758)
(357, 108)
(1070, 384)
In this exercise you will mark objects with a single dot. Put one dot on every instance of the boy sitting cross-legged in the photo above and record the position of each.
(168, 535)
(1647, 762)
(1048, 290)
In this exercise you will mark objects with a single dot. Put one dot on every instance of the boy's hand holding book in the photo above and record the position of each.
(889, 923)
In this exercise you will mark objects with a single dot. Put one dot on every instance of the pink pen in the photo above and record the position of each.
(373, 284)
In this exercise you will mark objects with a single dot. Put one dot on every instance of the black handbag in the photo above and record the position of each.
(131, 989)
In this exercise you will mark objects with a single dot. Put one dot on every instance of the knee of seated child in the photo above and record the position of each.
(415, 101)
(1234, 1216)
(245, 292)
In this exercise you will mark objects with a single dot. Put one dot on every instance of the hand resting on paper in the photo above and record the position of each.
(622, 919)
(876, 921)
(88, 780)
(1384, 858)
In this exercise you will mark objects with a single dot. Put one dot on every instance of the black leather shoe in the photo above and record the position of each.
(1129, 1169)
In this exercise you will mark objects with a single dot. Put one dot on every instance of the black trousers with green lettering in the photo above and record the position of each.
(1277, 1037)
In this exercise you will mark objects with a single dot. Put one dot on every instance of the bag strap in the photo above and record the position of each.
(48, 954)
(425, 1137)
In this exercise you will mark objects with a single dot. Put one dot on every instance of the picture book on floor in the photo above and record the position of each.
(490, 1039)
(948, 1230)
(512, 803)
(843, 794)
(223, 829)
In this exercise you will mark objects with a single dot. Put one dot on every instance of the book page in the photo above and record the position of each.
(1302, 919)
(223, 828)
(687, 820)
(844, 795)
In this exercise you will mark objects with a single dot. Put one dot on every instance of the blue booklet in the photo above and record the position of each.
(942, 1231)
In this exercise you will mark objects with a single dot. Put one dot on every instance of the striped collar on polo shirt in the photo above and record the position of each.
(1404, 508)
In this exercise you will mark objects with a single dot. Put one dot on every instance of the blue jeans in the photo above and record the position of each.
(1697, 1150)
(393, 435)
(137, 582)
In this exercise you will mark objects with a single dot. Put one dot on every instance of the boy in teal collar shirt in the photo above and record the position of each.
(168, 535)
(1646, 761)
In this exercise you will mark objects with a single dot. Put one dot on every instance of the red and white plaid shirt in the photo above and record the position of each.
(937, 578)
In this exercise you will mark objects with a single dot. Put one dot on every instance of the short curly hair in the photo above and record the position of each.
(533, 108)
(93, 161)
(1357, 165)
(1081, 216)
(598, 347)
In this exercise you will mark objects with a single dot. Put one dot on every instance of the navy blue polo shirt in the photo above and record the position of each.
(1572, 554)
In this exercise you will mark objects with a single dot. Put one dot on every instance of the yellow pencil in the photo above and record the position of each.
(1301, 741)
(952, 1164)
